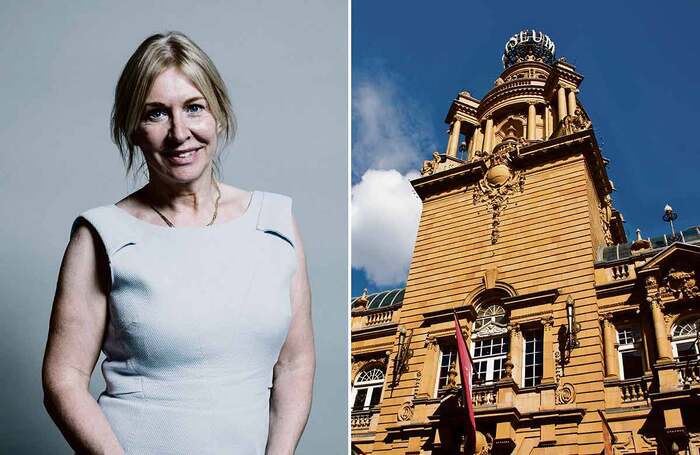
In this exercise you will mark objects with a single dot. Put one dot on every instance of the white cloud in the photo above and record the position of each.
(385, 216)
(389, 131)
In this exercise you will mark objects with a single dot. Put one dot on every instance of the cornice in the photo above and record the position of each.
(435, 317)
(374, 331)
(538, 298)
(582, 142)
(615, 288)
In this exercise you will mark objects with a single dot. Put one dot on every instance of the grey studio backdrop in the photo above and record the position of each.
(285, 63)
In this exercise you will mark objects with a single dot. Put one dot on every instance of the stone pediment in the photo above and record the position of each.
(678, 253)
(671, 275)
(490, 329)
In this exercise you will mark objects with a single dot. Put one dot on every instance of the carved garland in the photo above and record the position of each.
(500, 182)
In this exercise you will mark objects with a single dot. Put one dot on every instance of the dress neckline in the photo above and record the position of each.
(240, 218)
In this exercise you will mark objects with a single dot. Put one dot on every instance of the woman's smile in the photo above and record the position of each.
(183, 157)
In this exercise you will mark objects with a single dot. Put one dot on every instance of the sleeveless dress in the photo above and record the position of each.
(197, 318)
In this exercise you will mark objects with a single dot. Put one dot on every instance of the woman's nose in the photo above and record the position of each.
(179, 130)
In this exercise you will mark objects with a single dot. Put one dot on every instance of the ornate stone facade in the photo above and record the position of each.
(582, 341)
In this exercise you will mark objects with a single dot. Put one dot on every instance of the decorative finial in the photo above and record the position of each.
(639, 235)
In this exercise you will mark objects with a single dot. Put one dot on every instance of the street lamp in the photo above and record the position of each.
(669, 217)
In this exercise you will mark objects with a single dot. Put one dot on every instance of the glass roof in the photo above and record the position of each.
(623, 250)
(382, 299)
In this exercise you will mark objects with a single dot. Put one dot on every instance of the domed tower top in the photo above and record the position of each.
(528, 45)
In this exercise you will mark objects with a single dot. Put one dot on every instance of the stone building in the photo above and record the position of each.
(583, 342)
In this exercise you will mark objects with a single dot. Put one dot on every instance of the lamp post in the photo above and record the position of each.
(404, 352)
(669, 217)
(572, 327)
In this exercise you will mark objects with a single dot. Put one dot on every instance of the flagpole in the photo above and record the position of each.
(465, 369)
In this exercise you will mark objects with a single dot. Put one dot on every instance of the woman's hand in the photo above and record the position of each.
(75, 336)
(293, 374)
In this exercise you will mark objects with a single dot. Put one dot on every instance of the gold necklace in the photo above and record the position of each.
(213, 218)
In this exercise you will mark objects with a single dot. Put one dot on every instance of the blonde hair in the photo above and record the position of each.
(156, 54)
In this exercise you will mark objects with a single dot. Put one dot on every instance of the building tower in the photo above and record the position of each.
(582, 341)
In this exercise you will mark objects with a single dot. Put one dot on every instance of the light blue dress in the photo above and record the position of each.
(197, 318)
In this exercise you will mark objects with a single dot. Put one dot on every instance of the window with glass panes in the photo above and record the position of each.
(448, 354)
(489, 357)
(684, 339)
(630, 351)
(532, 364)
(367, 390)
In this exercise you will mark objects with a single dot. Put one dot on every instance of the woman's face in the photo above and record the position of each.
(177, 133)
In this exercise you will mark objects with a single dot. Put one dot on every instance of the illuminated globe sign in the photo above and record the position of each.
(528, 45)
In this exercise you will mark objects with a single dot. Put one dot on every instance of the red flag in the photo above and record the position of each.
(465, 371)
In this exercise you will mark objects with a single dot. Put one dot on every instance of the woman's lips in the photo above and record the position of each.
(180, 159)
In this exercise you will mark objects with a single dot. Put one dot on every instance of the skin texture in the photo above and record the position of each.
(177, 118)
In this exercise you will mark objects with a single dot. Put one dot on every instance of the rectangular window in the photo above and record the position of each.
(686, 350)
(448, 354)
(489, 359)
(533, 358)
(360, 397)
(629, 341)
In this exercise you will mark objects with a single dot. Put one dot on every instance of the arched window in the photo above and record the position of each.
(490, 343)
(367, 389)
(684, 338)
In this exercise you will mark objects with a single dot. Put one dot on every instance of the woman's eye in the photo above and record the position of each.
(194, 108)
(155, 114)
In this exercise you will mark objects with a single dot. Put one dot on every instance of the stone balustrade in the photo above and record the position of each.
(688, 372)
(381, 317)
(360, 420)
(483, 396)
(633, 390)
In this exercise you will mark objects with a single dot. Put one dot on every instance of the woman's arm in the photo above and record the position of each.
(293, 375)
(76, 330)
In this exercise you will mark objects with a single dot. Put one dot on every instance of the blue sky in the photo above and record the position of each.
(639, 64)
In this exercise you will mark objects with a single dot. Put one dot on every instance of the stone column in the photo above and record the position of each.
(561, 103)
(547, 122)
(488, 135)
(478, 140)
(571, 108)
(453, 143)
(531, 119)
(548, 366)
(663, 346)
(609, 339)
(515, 353)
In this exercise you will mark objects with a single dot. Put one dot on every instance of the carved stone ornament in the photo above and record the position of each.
(680, 284)
(500, 182)
(430, 166)
(431, 342)
(651, 290)
(508, 367)
(571, 124)
(605, 209)
(565, 394)
(559, 369)
(405, 412)
(484, 444)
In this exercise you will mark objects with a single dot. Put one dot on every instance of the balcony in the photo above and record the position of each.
(485, 395)
(363, 420)
(627, 393)
(633, 390)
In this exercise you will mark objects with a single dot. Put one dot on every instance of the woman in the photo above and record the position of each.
(196, 291)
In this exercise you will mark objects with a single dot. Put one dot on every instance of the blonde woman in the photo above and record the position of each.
(196, 291)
